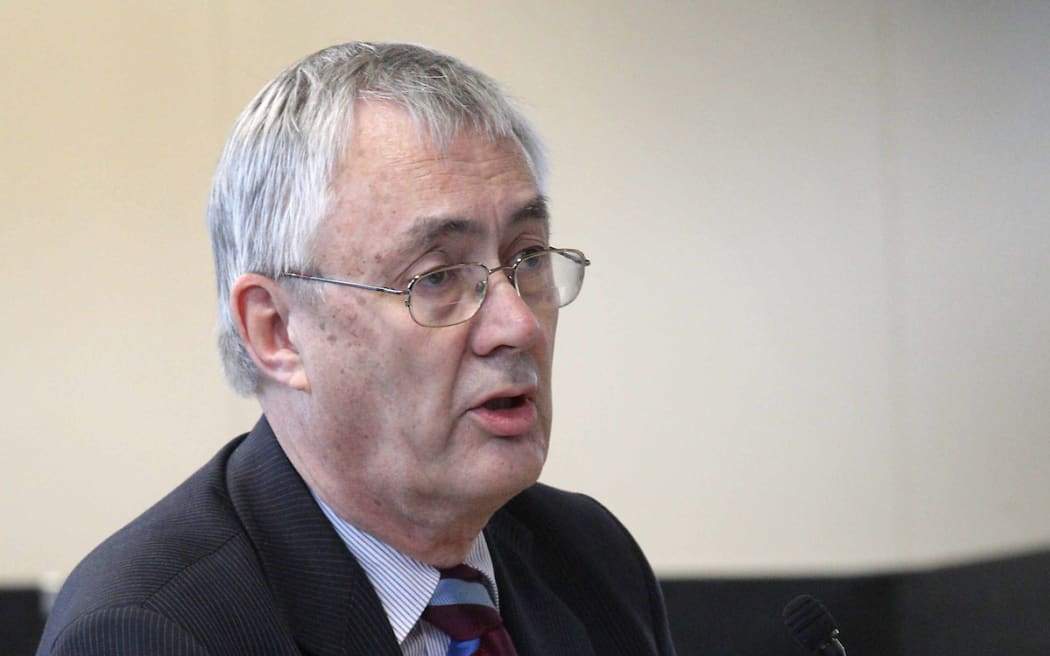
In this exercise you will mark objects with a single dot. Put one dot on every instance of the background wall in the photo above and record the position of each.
(814, 337)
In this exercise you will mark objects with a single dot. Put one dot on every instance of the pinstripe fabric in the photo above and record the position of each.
(241, 560)
(405, 585)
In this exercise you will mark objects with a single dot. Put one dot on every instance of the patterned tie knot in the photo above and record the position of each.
(463, 608)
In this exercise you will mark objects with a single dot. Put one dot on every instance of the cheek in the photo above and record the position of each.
(340, 317)
(332, 349)
(389, 363)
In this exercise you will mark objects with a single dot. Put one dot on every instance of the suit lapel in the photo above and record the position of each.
(323, 593)
(537, 619)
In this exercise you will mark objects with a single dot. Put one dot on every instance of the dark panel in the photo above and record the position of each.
(981, 609)
(20, 621)
(742, 617)
(994, 607)
(997, 607)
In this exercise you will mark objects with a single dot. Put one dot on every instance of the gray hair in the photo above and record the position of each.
(272, 183)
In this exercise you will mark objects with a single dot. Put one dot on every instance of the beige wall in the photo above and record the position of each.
(814, 336)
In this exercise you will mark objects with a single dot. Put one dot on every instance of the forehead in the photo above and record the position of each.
(390, 162)
(397, 191)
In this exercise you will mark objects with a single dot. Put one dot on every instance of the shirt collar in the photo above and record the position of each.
(403, 584)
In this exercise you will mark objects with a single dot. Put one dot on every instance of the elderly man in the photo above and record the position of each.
(389, 293)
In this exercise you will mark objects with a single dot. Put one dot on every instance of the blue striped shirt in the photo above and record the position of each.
(404, 585)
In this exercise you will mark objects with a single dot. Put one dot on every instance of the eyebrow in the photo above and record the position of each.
(535, 209)
(431, 229)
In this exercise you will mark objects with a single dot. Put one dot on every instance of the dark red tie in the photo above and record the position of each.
(464, 610)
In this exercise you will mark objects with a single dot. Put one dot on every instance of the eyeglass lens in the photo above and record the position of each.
(545, 280)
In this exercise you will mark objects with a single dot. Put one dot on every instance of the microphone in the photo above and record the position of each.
(813, 626)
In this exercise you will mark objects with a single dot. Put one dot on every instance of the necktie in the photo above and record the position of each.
(463, 609)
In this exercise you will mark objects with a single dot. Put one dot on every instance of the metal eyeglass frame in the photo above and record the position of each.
(512, 269)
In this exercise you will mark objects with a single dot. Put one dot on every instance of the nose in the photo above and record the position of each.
(504, 320)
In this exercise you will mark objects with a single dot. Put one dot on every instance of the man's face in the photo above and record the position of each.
(413, 422)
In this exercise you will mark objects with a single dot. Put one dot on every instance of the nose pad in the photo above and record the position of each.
(495, 284)
(508, 272)
(505, 320)
(506, 310)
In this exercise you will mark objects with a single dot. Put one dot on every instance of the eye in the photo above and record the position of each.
(527, 259)
(434, 279)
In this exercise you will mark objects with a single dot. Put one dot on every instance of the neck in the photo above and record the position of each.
(437, 547)
(436, 531)
(430, 535)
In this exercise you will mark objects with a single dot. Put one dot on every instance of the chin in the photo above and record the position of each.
(524, 478)
(505, 480)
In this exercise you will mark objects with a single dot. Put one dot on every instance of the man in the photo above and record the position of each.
(389, 294)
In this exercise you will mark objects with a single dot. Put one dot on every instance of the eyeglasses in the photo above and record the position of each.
(545, 278)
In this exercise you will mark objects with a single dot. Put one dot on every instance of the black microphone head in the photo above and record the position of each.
(809, 622)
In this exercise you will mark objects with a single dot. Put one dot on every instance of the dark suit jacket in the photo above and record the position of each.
(240, 560)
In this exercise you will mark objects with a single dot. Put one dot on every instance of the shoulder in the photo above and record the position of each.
(582, 535)
(143, 579)
(124, 630)
(192, 522)
(578, 550)
(562, 516)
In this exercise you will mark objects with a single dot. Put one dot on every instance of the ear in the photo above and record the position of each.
(260, 310)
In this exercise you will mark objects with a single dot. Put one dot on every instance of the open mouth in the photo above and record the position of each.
(504, 403)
